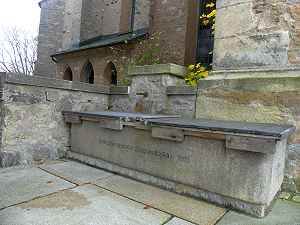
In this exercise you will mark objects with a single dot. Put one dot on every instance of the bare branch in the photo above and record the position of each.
(18, 52)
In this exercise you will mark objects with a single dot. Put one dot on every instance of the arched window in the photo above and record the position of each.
(111, 73)
(68, 74)
(87, 73)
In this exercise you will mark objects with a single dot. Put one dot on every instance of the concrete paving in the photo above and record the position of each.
(177, 221)
(94, 197)
(83, 205)
(198, 212)
(283, 213)
(19, 185)
(75, 172)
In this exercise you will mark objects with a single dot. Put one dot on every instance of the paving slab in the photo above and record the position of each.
(196, 211)
(22, 184)
(76, 172)
(283, 213)
(285, 195)
(296, 198)
(83, 205)
(177, 221)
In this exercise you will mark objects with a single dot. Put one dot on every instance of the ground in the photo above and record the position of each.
(70, 193)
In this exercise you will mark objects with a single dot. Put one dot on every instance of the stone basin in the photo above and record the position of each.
(235, 164)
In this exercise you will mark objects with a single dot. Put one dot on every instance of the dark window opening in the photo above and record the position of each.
(87, 74)
(68, 75)
(111, 73)
(205, 36)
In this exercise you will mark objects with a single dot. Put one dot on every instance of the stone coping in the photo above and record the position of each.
(158, 69)
(254, 73)
(118, 115)
(119, 90)
(234, 127)
(181, 90)
(264, 80)
(38, 81)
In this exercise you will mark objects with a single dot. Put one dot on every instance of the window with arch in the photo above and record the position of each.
(87, 73)
(111, 73)
(68, 74)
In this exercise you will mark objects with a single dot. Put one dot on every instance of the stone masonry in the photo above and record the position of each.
(32, 126)
(258, 33)
(168, 22)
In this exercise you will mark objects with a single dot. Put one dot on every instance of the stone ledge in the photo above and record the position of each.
(11, 78)
(119, 90)
(181, 90)
(254, 80)
(158, 69)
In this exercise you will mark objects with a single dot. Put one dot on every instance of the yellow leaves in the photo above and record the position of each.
(210, 5)
(208, 18)
(212, 14)
(195, 73)
(191, 67)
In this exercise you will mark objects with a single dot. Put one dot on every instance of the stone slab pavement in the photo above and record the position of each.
(71, 193)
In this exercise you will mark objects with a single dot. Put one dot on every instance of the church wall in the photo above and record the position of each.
(260, 33)
(50, 36)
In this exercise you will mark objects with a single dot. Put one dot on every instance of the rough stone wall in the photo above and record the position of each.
(154, 90)
(169, 18)
(148, 94)
(256, 96)
(294, 27)
(33, 128)
(50, 36)
(71, 24)
(182, 101)
(142, 14)
(100, 18)
(258, 33)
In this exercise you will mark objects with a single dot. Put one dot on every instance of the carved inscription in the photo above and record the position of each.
(156, 153)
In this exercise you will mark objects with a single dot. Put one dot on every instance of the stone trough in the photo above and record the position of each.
(235, 164)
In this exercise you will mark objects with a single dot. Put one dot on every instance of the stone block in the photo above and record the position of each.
(235, 20)
(20, 185)
(256, 96)
(251, 178)
(252, 51)
(189, 209)
(75, 172)
(284, 212)
(82, 205)
(159, 69)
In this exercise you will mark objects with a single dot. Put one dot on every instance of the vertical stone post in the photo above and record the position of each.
(149, 86)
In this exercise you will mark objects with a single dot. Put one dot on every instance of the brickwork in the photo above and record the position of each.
(167, 19)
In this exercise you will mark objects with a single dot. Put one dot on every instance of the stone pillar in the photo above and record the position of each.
(72, 24)
(149, 86)
(256, 34)
(50, 36)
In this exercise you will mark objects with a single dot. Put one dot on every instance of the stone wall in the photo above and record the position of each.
(258, 33)
(50, 36)
(157, 89)
(263, 96)
(32, 126)
(168, 22)
(71, 24)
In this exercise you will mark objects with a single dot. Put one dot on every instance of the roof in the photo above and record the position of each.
(107, 40)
